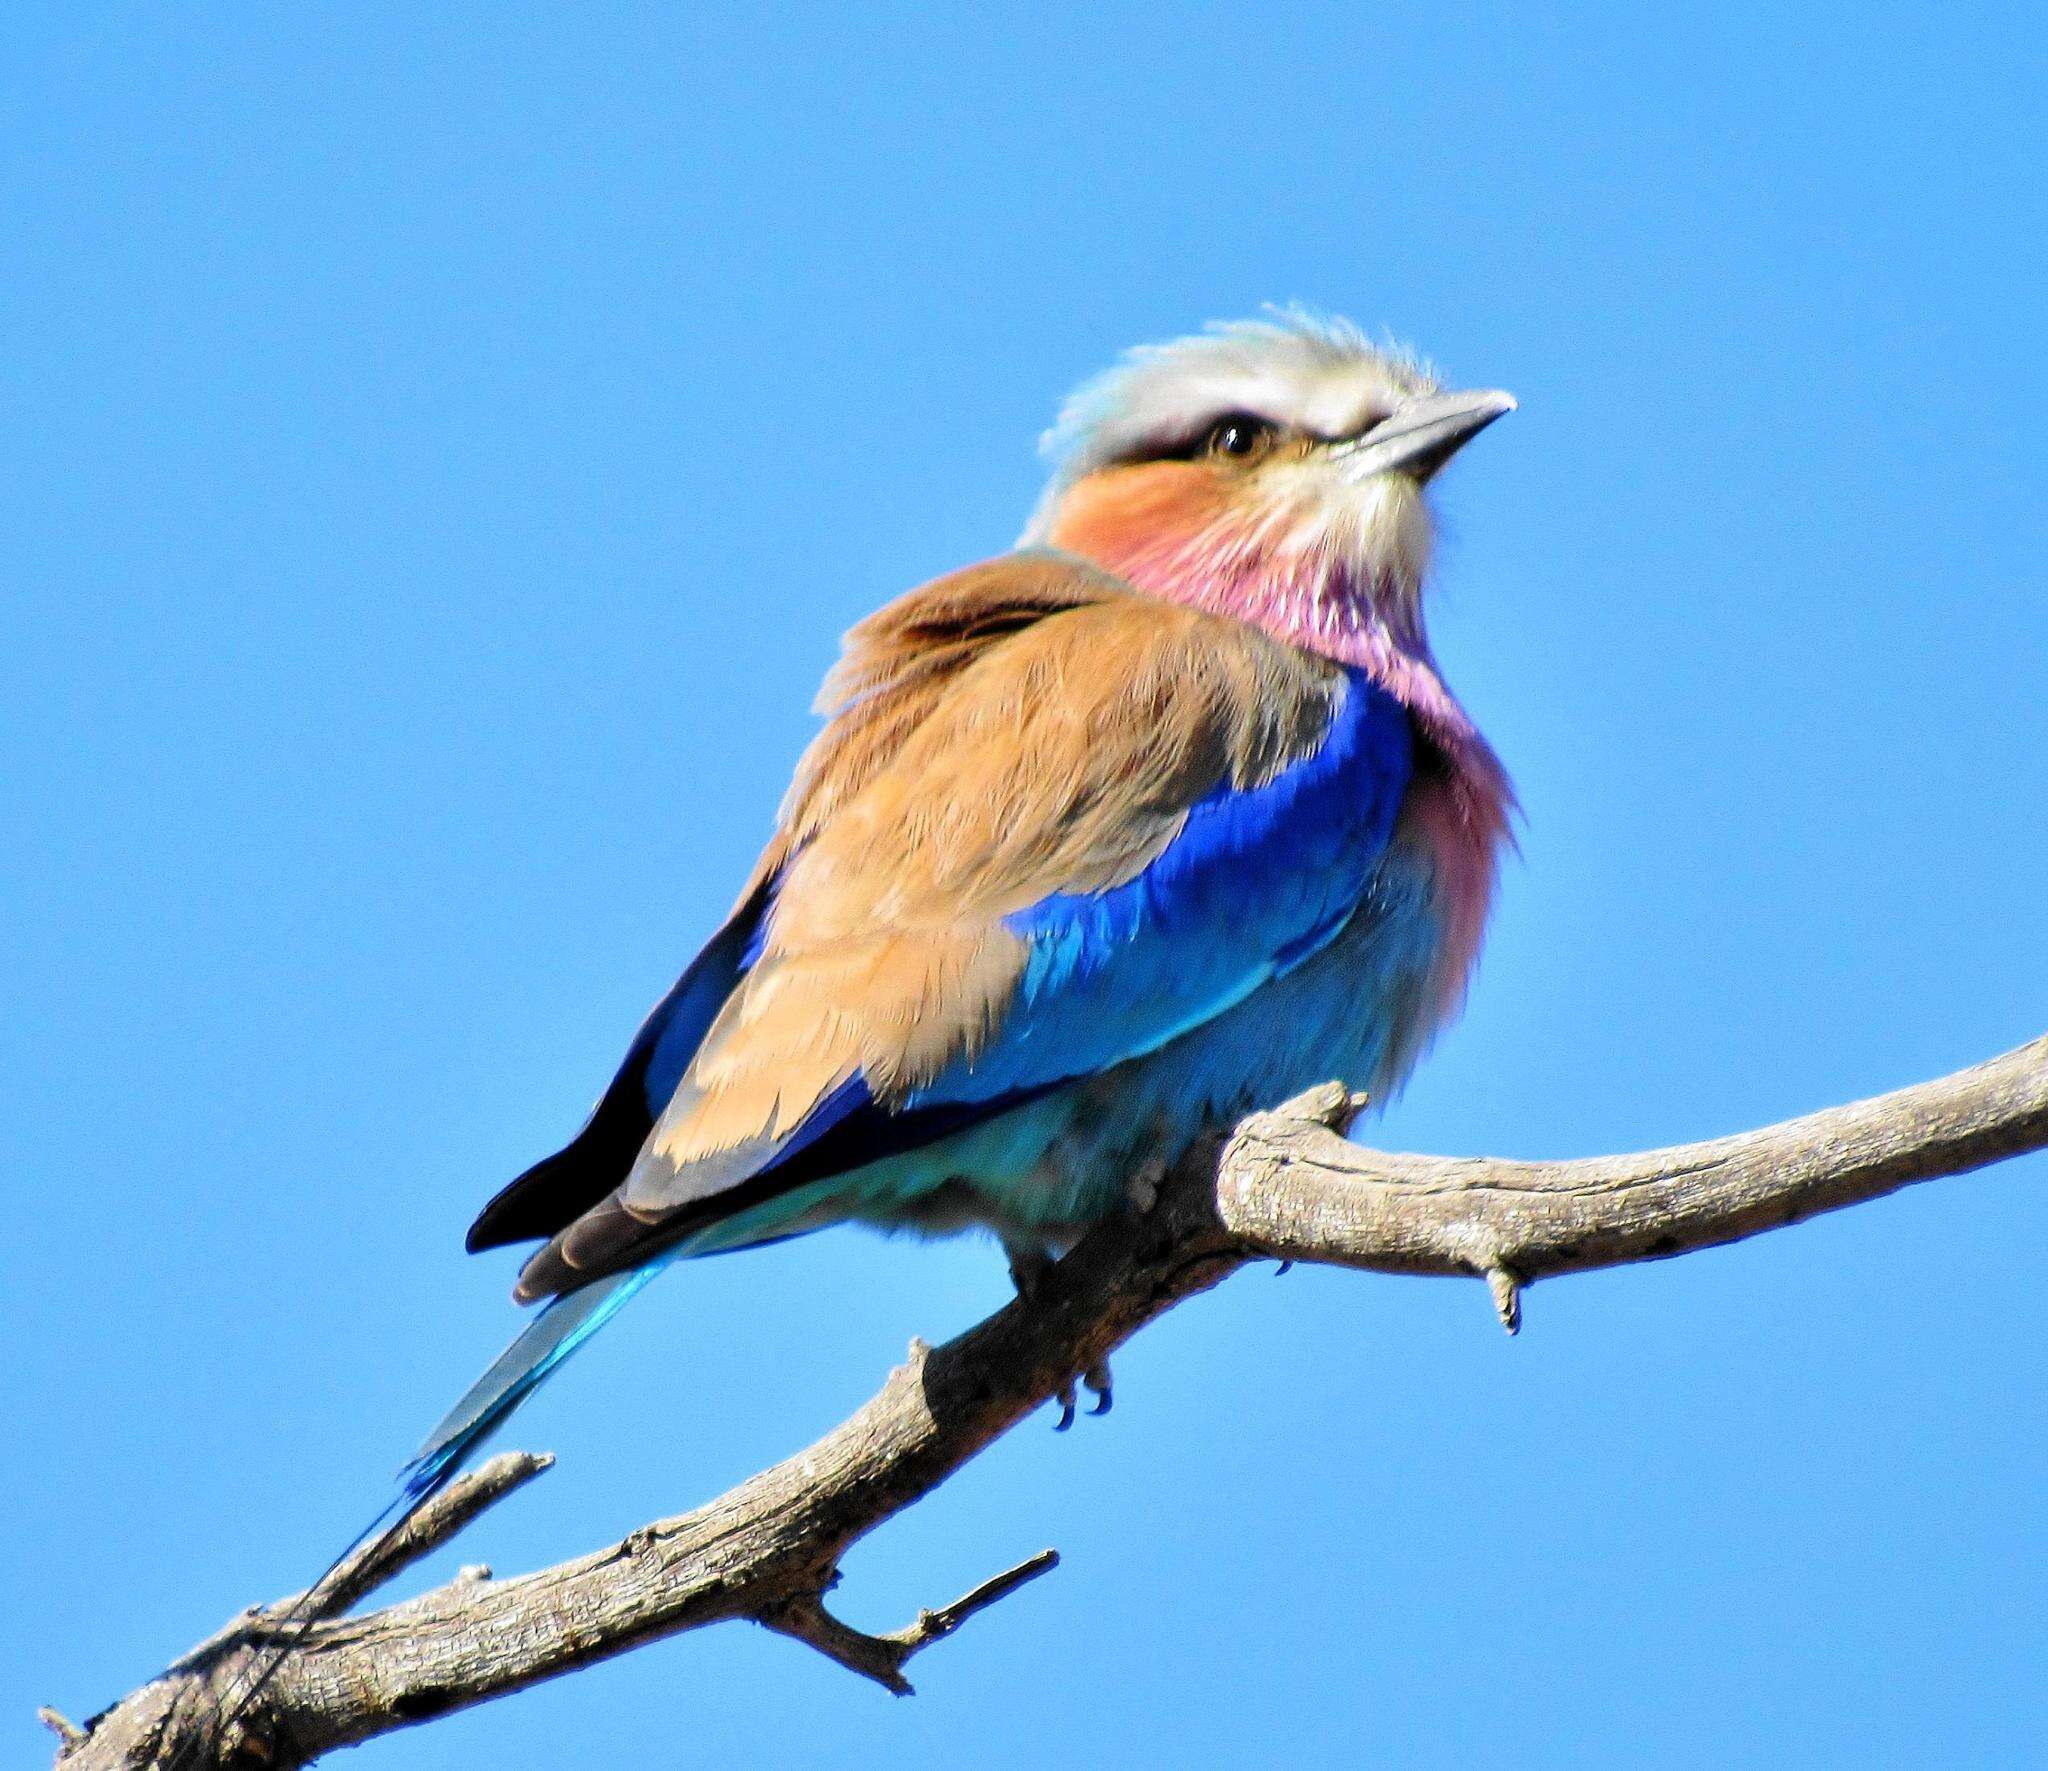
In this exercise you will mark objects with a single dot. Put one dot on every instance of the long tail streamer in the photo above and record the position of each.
(535, 1355)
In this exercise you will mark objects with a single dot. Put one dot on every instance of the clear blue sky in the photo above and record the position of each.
(440, 456)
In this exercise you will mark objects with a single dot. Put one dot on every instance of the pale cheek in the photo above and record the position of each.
(1381, 530)
(1398, 526)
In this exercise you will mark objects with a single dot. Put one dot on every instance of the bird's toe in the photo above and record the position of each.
(1097, 1382)
(1064, 1396)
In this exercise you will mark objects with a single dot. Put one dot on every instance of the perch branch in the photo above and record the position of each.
(1284, 1186)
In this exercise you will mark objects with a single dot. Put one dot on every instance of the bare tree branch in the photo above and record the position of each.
(1288, 1187)
(1285, 1186)
(881, 1658)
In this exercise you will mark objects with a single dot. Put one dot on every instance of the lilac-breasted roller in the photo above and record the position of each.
(1161, 817)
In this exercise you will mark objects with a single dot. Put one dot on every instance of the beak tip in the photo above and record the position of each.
(1423, 434)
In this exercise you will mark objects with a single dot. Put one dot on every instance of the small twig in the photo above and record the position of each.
(882, 1658)
(935, 1626)
(805, 1619)
(442, 1518)
(376, 1565)
(1329, 1104)
(66, 1730)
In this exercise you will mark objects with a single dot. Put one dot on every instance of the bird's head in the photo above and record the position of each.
(1270, 469)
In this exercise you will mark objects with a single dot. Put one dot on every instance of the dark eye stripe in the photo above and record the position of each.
(1201, 439)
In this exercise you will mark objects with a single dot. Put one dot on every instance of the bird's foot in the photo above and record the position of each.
(1030, 1262)
(1097, 1382)
(1141, 1191)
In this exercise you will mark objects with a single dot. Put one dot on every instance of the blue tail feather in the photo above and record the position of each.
(563, 1326)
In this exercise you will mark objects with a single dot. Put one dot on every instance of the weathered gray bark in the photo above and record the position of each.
(1285, 1185)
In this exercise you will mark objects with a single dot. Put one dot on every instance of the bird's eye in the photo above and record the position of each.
(1240, 434)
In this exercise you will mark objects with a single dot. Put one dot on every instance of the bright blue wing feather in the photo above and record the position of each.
(1256, 880)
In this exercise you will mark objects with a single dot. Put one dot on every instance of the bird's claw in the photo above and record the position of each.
(1096, 1381)
(1030, 1265)
(1064, 1396)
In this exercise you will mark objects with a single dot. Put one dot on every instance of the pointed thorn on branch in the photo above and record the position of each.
(1507, 1297)
(1328, 1103)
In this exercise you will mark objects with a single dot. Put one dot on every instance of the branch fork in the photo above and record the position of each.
(882, 1658)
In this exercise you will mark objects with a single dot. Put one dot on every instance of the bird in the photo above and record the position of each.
(1164, 815)
(1161, 816)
